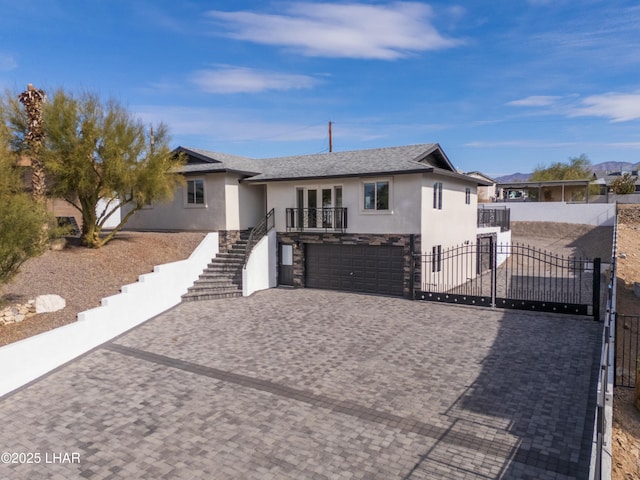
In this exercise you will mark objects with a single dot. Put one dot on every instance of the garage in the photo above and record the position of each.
(355, 268)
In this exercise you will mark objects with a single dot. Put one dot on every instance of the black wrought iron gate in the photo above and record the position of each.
(508, 276)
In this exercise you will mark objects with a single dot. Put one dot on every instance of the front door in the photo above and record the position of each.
(286, 265)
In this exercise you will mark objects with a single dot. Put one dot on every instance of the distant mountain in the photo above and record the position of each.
(600, 169)
(514, 177)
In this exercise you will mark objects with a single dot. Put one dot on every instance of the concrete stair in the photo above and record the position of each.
(223, 276)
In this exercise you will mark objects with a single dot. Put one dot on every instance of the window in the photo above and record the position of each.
(437, 195)
(467, 196)
(436, 258)
(376, 195)
(195, 192)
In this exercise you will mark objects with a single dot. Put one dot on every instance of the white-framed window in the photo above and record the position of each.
(437, 195)
(467, 196)
(376, 195)
(195, 193)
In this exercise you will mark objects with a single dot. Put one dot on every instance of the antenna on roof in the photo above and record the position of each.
(330, 137)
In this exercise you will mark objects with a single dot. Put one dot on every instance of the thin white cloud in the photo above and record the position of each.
(619, 107)
(226, 124)
(546, 144)
(227, 79)
(336, 30)
(535, 101)
(521, 144)
(7, 62)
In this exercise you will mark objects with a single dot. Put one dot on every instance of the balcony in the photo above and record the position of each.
(327, 219)
(495, 217)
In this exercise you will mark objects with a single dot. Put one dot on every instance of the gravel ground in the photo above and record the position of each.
(83, 276)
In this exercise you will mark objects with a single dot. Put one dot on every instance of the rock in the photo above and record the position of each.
(49, 303)
(623, 255)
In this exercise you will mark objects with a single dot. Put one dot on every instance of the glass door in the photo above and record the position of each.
(326, 208)
(312, 208)
(337, 195)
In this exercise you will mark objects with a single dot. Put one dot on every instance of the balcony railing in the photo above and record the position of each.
(495, 217)
(299, 219)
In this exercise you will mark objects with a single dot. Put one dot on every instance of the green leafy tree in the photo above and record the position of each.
(21, 218)
(578, 168)
(624, 185)
(97, 151)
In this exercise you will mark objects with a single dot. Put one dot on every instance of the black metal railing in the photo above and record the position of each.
(600, 467)
(495, 217)
(259, 231)
(326, 218)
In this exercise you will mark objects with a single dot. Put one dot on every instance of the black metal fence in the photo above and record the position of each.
(495, 217)
(627, 350)
(327, 218)
(509, 276)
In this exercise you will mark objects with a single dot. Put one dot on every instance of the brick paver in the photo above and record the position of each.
(311, 384)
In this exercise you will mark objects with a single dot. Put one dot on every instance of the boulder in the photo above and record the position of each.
(49, 303)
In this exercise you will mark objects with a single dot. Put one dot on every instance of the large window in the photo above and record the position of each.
(437, 195)
(195, 192)
(376, 195)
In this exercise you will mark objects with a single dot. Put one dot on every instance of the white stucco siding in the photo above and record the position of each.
(252, 205)
(403, 215)
(453, 224)
(231, 202)
(176, 214)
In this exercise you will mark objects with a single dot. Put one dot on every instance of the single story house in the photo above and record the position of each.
(546, 191)
(344, 220)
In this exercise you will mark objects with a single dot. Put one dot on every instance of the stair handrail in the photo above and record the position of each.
(257, 232)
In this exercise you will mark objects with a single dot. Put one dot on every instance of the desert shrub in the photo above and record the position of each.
(624, 185)
(21, 225)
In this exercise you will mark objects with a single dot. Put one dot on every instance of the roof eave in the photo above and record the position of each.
(347, 175)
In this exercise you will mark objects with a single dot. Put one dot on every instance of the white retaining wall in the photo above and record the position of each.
(26, 360)
(260, 272)
(598, 214)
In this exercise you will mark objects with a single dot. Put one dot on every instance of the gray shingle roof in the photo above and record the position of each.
(350, 163)
(206, 161)
(379, 161)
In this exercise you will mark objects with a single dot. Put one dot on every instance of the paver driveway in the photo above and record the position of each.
(311, 384)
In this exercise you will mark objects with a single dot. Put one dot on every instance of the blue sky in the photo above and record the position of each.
(502, 85)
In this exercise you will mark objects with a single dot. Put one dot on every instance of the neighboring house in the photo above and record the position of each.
(344, 220)
(545, 191)
(60, 208)
(486, 193)
(607, 195)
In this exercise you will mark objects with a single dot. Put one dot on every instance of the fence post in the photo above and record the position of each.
(494, 271)
(596, 289)
(412, 271)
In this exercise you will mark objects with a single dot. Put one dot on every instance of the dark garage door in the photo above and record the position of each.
(355, 268)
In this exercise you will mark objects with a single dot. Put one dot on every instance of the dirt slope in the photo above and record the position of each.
(83, 276)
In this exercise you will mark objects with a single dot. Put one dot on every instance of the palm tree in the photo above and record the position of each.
(32, 99)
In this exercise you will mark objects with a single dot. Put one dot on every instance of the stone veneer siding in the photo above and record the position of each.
(226, 238)
(299, 239)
